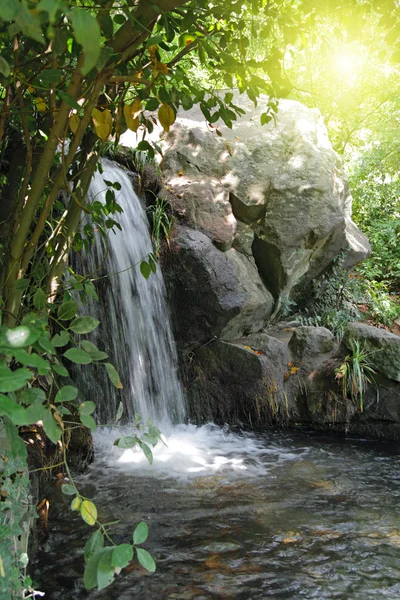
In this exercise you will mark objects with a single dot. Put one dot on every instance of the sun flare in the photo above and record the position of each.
(347, 63)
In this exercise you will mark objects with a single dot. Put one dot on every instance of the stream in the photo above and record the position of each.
(243, 516)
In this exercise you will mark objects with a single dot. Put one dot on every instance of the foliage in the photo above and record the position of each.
(335, 296)
(30, 361)
(162, 222)
(15, 516)
(355, 373)
(382, 309)
(376, 210)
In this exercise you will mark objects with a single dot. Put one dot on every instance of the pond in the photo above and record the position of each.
(238, 516)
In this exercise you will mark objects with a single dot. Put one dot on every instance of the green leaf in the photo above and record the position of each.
(94, 543)
(91, 292)
(66, 394)
(32, 360)
(88, 512)
(61, 339)
(17, 446)
(113, 375)
(128, 441)
(122, 556)
(145, 269)
(32, 395)
(21, 285)
(88, 421)
(60, 370)
(119, 19)
(67, 310)
(35, 413)
(87, 408)
(30, 23)
(10, 381)
(50, 76)
(94, 352)
(146, 451)
(84, 324)
(146, 560)
(51, 7)
(90, 573)
(46, 344)
(4, 67)
(105, 570)
(21, 336)
(152, 104)
(143, 146)
(39, 299)
(141, 533)
(70, 100)
(265, 118)
(76, 502)
(13, 410)
(78, 356)
(9, 9)
(51, 427)
(68, 489)
(88, 35)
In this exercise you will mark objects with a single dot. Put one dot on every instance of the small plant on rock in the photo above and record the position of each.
(355, 373)
(162, 223)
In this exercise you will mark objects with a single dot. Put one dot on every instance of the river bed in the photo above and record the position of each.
(237, 516)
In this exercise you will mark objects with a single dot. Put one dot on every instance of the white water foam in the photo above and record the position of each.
(191, 451)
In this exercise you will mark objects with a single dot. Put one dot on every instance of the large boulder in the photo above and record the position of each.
(383, 348)
(283, 180)
(213, 293)
(242, 381)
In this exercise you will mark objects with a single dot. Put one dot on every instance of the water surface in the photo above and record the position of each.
(278, 515)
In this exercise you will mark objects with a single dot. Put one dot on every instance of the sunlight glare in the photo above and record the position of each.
(347, 63)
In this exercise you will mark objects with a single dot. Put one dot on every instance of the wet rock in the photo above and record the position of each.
(213, 293)
(241, 382)
(383, 348)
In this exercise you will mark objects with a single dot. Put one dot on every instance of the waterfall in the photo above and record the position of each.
(134, 322)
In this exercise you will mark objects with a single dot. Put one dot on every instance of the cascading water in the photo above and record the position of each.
(134, 323)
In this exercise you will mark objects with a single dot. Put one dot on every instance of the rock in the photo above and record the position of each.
(213, 293)
(206, 201)
(312, 341)
(383, 348)
(358, 245)
(284, 182)
(243, 240)
(242, 381)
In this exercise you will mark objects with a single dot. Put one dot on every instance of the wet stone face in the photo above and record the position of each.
(238, 517)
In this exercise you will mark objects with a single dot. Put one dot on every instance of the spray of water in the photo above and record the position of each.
(136, 331)
(133, 313)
